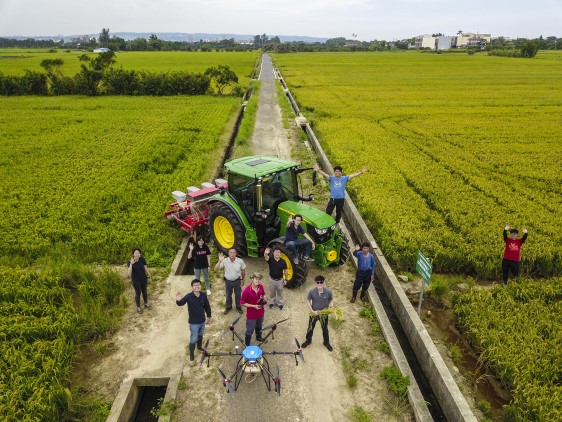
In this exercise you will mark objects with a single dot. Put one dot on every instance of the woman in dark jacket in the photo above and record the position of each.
(138, 271)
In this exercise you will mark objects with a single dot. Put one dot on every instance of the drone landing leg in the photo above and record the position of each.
(265, 370)
(237, 376)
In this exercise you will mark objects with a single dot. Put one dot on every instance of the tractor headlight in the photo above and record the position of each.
(321, 231)
(333, 227)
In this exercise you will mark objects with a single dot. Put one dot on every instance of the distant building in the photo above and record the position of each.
(101, 50)
(426, 41)
(472, 40)
(80, 39)
(444, 43)
(460, 41)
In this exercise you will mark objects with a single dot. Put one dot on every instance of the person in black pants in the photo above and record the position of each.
(197, 306)
(318, 298)
(338, 183)
(365, 270)
(138, 271)
(512, 253)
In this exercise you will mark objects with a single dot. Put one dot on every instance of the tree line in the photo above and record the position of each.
(264, 42)
(97, 76)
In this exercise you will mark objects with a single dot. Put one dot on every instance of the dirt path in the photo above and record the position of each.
(270, 137)
(154, 343)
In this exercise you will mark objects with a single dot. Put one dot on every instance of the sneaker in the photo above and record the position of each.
(280, 307)
(307, 258)
(305, 344)
(240, 310)
(147, 305)
(296, 261)
(329, 347)
(260, 339)
(271, 306)
(226, 311)
(139, 310)
(208, 292)
(192, 362)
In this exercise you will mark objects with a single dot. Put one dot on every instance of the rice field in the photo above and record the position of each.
(457, 147)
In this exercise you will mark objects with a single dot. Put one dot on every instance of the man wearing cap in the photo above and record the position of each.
(254, 299)
(234, 275)
(512, 253)
(278, 276)
(337, 188)
(319, 298)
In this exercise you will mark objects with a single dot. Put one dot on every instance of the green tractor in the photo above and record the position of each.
(250, 210)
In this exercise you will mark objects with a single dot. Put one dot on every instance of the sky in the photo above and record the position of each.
(367, 19)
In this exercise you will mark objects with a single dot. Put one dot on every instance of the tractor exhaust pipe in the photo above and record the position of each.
(259, 197)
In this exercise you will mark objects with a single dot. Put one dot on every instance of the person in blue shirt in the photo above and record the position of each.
(365, 270)
(338, 183)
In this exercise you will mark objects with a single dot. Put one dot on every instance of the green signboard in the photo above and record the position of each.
(423, 266)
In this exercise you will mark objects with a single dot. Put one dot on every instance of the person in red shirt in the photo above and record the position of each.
(512, 253)
(253, 299)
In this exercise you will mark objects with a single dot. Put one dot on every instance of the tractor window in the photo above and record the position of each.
(243, 190)
(278, 188)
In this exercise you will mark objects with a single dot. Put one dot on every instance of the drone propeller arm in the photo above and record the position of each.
(235, 334)
(267, 371)
(266, 337)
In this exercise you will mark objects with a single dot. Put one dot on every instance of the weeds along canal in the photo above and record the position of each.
(421, 380)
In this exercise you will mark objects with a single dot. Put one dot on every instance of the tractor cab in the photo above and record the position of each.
(259, 185)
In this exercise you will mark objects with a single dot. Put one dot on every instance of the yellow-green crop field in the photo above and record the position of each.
(457, 147)
(518, 330)
(84, 180)
(14, 61)
(93, 175)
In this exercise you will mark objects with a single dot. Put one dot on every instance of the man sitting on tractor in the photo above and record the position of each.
(292, 240)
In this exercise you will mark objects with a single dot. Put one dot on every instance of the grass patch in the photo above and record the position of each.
(456, 353)
(397, 382)
(358, 414)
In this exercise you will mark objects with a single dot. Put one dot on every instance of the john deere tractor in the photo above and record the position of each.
(249, 212)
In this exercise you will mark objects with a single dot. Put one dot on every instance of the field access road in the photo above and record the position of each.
(270, 137)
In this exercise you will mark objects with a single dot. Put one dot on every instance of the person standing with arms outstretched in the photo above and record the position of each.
(138, 271)
(512, 253)
(278, 275)
(318, 298)
(234, 275)
(365, 270)
(197, 306)
(202, 261)
(338, 183)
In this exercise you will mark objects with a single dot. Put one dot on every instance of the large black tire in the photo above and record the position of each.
(297, 272)
(344, 251)
(227, 230)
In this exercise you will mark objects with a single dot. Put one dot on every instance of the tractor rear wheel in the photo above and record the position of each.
(227, 230)
(296, 272)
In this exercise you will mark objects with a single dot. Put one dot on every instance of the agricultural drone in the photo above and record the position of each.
(252, 361)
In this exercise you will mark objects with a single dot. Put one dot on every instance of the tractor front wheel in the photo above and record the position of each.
(227, 230)
(344, 250)
(296, 272)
